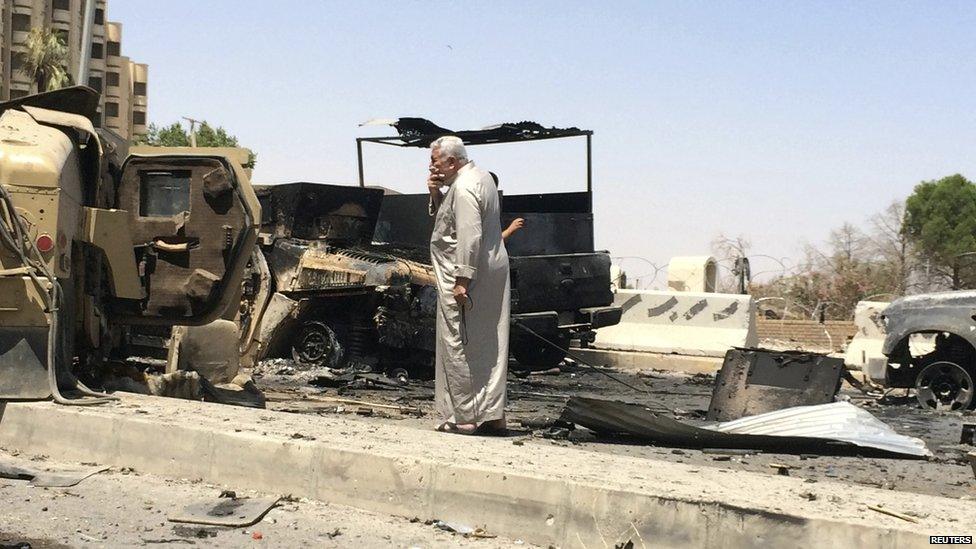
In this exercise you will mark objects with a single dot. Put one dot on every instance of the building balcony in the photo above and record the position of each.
(29, 4)
(61, 16)
(140, 101)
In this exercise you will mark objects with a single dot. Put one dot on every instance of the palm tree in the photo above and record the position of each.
(46, 59)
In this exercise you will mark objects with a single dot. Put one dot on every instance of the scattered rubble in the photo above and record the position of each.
(185, 384)
(753, 381)
(15, 468)
(535, 401)
(226, 511)
(836, 428)
(968, 435)
(463, 529)
(890, 513)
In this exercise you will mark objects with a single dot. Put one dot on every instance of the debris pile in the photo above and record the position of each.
(836, 428)
(762, 400)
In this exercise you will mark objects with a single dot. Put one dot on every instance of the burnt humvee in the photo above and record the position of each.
(335, 298)
(560, 285)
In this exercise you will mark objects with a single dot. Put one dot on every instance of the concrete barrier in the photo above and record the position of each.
(864, 351)
(684, 323)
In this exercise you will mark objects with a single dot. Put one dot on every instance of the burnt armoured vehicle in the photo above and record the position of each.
(560, 285)
(930, 343)
(335, 297)
(97, 239)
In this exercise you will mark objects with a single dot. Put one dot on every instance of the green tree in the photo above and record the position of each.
(45, 59)
(940, 220)
(175, 135)
(166, 136)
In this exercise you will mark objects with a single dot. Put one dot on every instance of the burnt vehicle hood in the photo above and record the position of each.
(951, 312)
(313, 266)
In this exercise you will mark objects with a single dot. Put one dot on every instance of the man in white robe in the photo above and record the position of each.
(471, 267)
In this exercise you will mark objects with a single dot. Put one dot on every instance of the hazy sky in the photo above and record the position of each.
(776, 121)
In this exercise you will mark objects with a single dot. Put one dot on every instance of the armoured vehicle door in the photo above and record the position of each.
(193, 224)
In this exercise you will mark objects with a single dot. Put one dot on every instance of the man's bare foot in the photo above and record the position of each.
(458, 428)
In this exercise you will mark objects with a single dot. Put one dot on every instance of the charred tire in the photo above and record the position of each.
(316, 345)
(945, 385)
(534, 355)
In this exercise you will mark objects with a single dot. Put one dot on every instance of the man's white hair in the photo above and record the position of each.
(450, 146)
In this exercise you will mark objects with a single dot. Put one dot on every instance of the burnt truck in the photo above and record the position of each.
(560, 285)
(98, 238)
(322, 293)
(930, 342)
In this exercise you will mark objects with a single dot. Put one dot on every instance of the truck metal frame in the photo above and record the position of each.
(330, 296)
(560, 284)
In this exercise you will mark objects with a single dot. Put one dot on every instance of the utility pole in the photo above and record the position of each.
(193, 130)
(81, 78)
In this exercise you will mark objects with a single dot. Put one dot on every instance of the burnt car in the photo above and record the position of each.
(930, 343)
(331, 297)
(560, 285)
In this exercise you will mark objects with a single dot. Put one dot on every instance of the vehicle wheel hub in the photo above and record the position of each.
(316, 345)
(944, 386)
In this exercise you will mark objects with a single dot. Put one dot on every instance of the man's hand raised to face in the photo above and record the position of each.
(435, 181)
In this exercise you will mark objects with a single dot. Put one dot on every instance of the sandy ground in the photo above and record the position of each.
(947, 474)
(125, 509)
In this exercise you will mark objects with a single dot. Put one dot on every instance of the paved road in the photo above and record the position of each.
(125, 509)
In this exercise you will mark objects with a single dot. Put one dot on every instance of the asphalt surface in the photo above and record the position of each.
(543, 395)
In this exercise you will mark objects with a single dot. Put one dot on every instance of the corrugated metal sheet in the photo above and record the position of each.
(836, 421)
(835, 430)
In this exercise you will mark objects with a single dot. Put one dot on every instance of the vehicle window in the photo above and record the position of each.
(164, 194)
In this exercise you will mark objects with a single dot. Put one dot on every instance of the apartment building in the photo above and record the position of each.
(122, 82)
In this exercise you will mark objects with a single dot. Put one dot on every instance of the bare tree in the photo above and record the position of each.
(832, 278)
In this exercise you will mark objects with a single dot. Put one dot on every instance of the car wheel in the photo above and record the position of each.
(944, 385)
(316, 345)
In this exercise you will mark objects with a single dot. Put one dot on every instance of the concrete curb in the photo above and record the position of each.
(541, 494)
